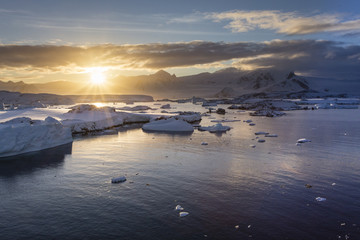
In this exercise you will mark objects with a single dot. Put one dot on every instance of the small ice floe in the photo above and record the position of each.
(271, 135)
(118, 179)
(178, 208)
(220, 111)
(333, 184)
(342, 224)
(303, 140)
(261, 140)
(166, 106)
(253, 146)
(261, 133)
(249, 226)
(320, 199)
(215, 128)
(204, 143)
(183, 214)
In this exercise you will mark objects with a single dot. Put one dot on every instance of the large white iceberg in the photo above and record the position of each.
(87, 118)
(168, 125)
(22, 135)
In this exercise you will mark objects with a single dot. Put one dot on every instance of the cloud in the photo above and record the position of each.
(195, 17)
(289, 23)
(327, 58)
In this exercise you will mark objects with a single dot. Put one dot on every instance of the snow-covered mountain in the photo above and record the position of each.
(227, 82)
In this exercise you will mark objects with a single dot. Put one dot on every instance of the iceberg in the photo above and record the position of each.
(303, 140)
(168, 125)
(166, 106)
(88, 118)
(183, 214)
(189, 117)
(118, 179)
(271, 135)
(23, 135)
(217, 128)
(320, 199)
(179, 208)
(261, 133)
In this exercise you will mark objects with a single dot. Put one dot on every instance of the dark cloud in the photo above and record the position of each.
(324, 57)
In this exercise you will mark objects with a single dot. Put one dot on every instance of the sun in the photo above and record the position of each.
(97, 76)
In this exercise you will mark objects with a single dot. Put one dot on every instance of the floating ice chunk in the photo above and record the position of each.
(179, 208)
(118, 179)
(166, 106)
(220, 111)
(215, 128)
(261, 133)
(333, 184)
(183, 214)
(204, 143)
(303, 140)
(249, 226)
(189, 117)
(271, 135)
(320, 199)
(261, 140)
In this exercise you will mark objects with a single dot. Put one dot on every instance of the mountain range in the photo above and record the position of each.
(227, 82)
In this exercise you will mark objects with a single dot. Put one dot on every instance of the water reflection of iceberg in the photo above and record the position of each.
(28, 163)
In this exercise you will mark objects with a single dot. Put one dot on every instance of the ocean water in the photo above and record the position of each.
(231, 190)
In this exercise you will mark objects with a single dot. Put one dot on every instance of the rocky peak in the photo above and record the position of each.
(291, 75)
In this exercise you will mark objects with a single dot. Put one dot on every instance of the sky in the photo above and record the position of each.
(44, 41)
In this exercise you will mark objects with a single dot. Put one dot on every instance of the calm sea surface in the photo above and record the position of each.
(231, 190)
